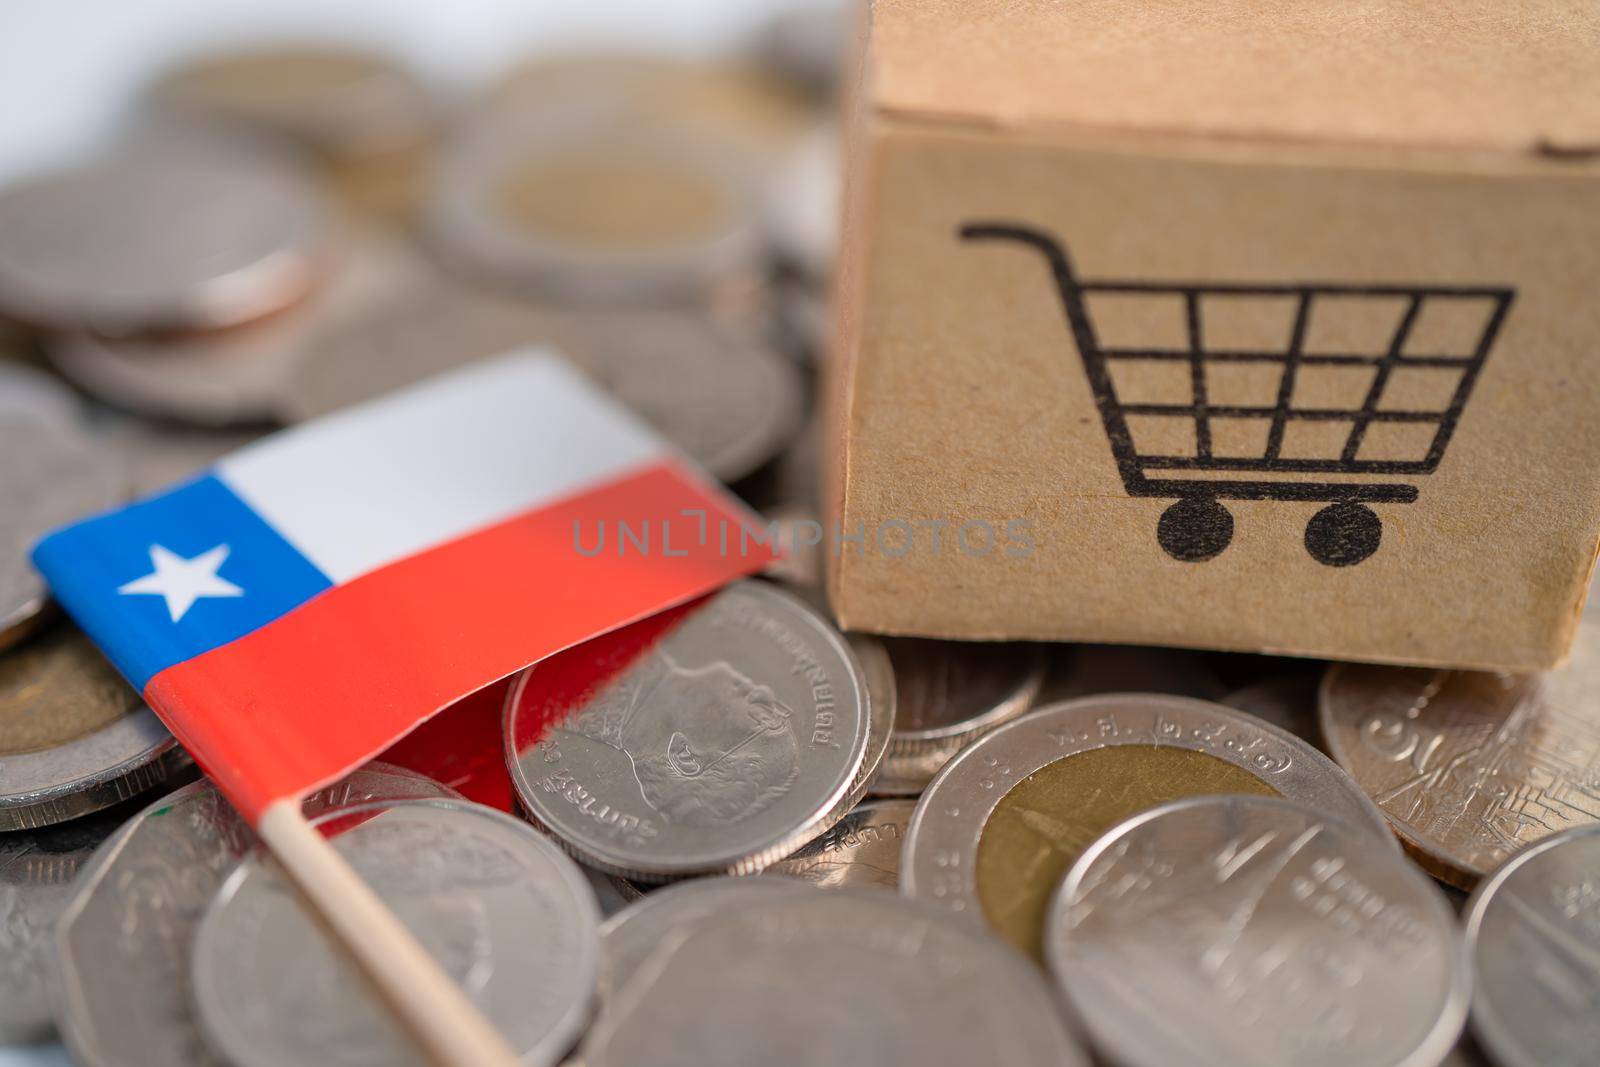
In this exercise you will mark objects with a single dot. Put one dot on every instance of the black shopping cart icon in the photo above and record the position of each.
(1196, 527)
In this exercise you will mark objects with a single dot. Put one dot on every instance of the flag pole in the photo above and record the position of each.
(441, 1017)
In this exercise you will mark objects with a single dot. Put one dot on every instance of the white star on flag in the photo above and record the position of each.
(183, 581)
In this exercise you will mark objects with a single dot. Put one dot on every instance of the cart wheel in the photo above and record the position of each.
(1344, 534)
(1194, 529)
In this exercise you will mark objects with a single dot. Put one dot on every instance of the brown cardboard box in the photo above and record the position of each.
(1369, 232)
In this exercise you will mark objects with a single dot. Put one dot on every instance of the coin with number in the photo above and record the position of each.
(125, 935)
(947, 694)
(863, 848)
(74, 737)
(822, 977)
(713, 739)
(502, 910)
(1470, 766)
(1004, 820)
(1239, 931)
(53, 474)
(1533, 932)
(154, 242)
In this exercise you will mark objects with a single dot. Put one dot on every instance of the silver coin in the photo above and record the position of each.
(1533, 932)
(863, 848)
(506, 914)
(1470, 766)
(53, 474)
(74, 737)
(578, 206)
(236, 376)
(728, 401)
(1287, 701)
(628, 938)
(824, 977)
(36, 872)
(733, 733)
(976, 849)
(155, 242)
(29, 393)
(947, 694)
(124, 938)
(1238, 931)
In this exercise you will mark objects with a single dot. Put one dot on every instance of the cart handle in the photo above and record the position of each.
(1042, 242)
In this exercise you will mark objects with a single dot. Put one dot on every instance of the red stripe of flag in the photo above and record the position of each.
(325, 687)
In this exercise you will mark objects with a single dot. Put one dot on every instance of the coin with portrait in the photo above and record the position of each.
(712, 739)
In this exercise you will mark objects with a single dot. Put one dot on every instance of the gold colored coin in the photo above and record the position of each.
(1470, 766)
(55, 689)
(1046, 821)
(611, 202)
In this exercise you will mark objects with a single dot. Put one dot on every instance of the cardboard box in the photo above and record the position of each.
(1240, 325)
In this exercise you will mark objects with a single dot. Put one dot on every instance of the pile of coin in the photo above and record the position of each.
(740, 833)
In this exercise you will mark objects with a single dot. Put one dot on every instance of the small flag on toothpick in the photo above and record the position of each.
(312, 598)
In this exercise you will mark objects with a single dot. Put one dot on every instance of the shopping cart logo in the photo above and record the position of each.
(1197, 527)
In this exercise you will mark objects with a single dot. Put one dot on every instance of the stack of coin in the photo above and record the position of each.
(943, 830)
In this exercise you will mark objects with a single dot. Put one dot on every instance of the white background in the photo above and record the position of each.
(69, 69)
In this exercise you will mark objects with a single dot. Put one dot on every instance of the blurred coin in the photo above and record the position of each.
(53, 474)
(29, 393)
(1533, 934)
(731, 733)
(748, 109)
(1470, 766)
(74, 737)
(341, 102)
(506, 914)
(813, 977)
(237, 376)
(156, 242)
(863, 848)
(575, 210)
(36, 872)
(628, 939)
(1238, 931)
(1006, 817)
(125, 936)
(947, 694)
(1287, 701)
(727, 401)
